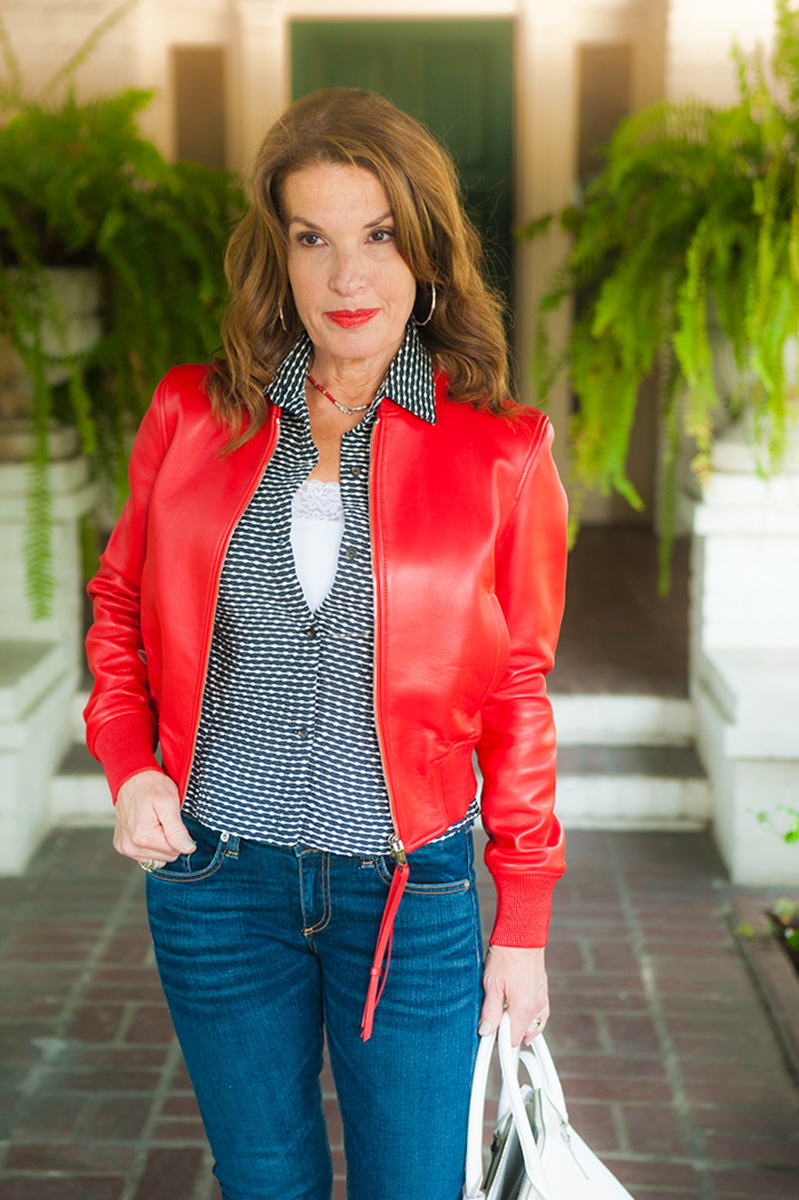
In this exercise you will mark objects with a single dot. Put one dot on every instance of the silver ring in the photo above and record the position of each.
(536, 1023)
(148, 866)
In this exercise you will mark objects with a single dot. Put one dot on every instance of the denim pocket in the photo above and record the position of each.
(202, 862)
(437, 868)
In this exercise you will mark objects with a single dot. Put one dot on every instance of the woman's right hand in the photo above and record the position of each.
(149, 827)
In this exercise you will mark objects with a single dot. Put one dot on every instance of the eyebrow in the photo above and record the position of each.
(369, 225)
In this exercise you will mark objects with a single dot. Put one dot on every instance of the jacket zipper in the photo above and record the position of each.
(210, 626)
(395, 841)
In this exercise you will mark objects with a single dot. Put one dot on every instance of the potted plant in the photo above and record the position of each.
(692, 224)
(783, 913)
(784, 919)
(80, 187)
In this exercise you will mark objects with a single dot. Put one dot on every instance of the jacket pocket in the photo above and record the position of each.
(502, 646)
(456, 780)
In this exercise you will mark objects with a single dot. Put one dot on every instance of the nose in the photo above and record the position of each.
(346, 278)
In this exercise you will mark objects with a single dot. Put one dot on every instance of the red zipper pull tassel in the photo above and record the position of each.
(384, 940)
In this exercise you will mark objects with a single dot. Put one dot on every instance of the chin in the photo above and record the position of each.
(364, 342)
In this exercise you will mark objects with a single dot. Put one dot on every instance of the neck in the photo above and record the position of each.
(351, 381)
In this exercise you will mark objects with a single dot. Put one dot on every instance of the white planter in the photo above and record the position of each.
(39, 660)
(76, 292)
(745, 656)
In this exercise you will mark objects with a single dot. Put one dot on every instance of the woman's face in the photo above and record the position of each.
(352, 289)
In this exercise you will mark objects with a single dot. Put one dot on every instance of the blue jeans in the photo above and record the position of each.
(263, 952)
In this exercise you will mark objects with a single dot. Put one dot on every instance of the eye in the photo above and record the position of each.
(309, 239)
(382, 235)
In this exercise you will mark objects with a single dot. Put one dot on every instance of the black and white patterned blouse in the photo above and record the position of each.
(287, 748)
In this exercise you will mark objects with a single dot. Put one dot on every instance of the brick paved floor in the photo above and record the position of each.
(668, 1061)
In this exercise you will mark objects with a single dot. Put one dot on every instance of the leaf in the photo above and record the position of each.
(786, 909)
(13, 93)
(80, 186)
(533, 229)
(692, 228)
(85, 49)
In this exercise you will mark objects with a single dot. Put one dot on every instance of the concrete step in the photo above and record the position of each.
(624, 762)
(632, 787)
(622, 720)
(612, 720)
(79, 792)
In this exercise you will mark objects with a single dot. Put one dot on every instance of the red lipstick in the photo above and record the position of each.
(348, 318)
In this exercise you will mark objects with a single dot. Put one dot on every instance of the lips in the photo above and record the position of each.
(349, 318)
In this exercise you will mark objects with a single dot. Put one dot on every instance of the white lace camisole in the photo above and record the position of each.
(317, 526)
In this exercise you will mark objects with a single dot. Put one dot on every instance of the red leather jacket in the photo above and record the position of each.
(469, 544)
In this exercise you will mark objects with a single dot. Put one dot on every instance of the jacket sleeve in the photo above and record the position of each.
(121, 725)
(517, 747)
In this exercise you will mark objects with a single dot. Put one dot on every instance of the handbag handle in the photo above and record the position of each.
(545, 1077)
(512, 1094)
(509, 1066)
(474, 1136)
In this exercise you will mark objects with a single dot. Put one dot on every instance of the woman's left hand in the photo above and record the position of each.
(515, 978)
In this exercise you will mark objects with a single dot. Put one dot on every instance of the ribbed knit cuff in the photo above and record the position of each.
(125, 746)
(524, 905)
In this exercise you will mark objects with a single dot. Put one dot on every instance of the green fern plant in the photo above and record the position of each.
(694, 219)
(79, 186)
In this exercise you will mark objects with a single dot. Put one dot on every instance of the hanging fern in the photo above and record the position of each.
(694, 217)
(79, 186)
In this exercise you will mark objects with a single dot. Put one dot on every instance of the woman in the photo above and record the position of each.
(340, 571)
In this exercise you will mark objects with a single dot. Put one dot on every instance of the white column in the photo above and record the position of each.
(546, 132)
(745, 657)
(39, 660)
(260, 76)
(152, 73)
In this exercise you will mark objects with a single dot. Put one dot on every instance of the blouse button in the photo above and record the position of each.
(302, 733)
(350, 553)
(355, 471)
(310, 632)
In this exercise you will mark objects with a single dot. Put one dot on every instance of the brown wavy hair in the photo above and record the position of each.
(465, 336)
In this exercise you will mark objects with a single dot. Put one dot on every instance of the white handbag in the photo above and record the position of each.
(535, 1155)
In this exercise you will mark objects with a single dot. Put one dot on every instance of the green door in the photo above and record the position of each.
(454, 76)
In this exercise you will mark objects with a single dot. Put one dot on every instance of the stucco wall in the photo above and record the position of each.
(700, 35)
(44, 33)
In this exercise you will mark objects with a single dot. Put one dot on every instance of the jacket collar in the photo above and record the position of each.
(409, 381)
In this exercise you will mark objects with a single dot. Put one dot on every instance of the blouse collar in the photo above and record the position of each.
(409, 380)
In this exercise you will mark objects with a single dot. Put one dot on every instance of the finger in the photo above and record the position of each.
(491, 1012)
(148, 817)
(144, 852)
(179, 839)
(536, 1025)
(523, 1018)
(144, 843)
(535, 1030)
(154, 834)
(175, 832)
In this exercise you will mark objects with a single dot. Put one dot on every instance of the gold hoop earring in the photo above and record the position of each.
(280, 315)
(432, 307)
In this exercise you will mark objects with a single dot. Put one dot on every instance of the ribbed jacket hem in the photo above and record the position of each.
(125, 746)
(524, 906)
